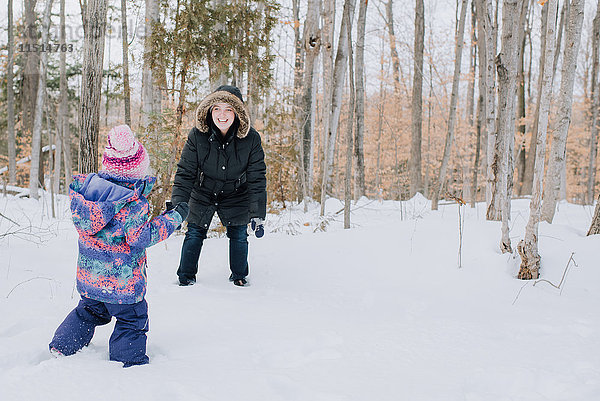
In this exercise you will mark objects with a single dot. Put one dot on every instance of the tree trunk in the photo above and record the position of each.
(32, 69)
(528, 246)
(506, 63)
(91, 85)
(416, 184)
(359, 152)
(12, 146)
(595, 226)
(39, 111)
(298, 107)
(311, 47)
(557, 161)
(594, 106)
(389, 12)
(339, 70)
(126, 90)
(453, 101)
(63, 112)
(151, 91)
(350, 126)
(479, 118)
(487, 34)
(327, 21)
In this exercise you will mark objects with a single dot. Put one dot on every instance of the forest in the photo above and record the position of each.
(461, 101)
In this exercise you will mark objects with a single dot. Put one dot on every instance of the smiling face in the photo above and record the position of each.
(223, 116)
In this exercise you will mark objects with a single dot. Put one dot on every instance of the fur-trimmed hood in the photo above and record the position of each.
(224, 94)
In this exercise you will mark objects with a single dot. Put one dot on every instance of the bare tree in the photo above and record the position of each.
(389, 12)
(487, 29)
(12, 147)
(39, 111)
(126, 90)
(63, 149)
(311, 43)
(359, 153)
(327, 23)
(528, 246)
(94, 22)
(594, 106)
(453, 101)
(339, 70)
(417, 101)
(557, 160)
(151, 92)
(32, 68)
(502, 166)
(349, 135)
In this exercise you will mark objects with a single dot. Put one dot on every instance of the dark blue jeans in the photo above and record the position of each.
(127, 343)
(192, 245)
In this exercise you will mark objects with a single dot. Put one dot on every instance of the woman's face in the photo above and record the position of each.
(223, 116)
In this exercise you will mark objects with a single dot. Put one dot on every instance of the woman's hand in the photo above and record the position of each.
(257, 225)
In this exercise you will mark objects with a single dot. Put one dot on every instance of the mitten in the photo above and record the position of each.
(257, 225)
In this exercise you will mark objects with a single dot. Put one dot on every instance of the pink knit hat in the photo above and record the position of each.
(125, 156)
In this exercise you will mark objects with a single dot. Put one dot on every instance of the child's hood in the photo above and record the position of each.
(97, 198)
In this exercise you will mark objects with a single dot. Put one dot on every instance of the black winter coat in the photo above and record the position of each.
(227, 176)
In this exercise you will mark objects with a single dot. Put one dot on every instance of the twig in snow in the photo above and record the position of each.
(26, 281)
(9, 219)
(564, 276)
(461, 203)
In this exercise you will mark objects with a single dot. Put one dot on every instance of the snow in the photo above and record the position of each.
(378, 312)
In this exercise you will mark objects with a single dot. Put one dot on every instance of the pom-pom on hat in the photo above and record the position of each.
(125, 156)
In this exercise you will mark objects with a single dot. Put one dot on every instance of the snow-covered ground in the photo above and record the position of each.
(378, 312)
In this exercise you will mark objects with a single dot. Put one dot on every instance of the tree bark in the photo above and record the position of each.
(359, 153)
(311, 43)
(528, 246)
(91, 84)
(594, 106)
(350, 126)
(63, 129)
(389, 12)
(487, 46)
(416, 183)
(339, 70)
(557, 161)
(126, 90)
(39, 111)
(453, 102)
(327, 21)
(151, 91)
(32, 68)
(12, 146)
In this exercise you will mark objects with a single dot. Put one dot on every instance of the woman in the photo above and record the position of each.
(222, 169)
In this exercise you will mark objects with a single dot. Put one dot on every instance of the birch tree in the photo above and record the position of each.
(528, 246)
(39, 111)
(12, 146)
(502, 166)
(453, 101)
(94, 22)
(63, 108)
(557, 161)
(311, 42)
(126, 90)
(151, 92)
(389, 12)
(339, 70)
(595, 106)
(359, 153)
(417, 101)
(32, 68)
(486, 29)
(349, 135)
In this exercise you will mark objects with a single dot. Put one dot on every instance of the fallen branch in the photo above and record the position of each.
(564, 276)
(9, 219)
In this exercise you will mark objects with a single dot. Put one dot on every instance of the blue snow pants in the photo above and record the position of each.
(127, 343)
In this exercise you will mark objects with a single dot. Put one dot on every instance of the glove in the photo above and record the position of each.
(257, 225)
(183, 209)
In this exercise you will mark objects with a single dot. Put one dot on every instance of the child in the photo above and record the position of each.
(111, 214)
